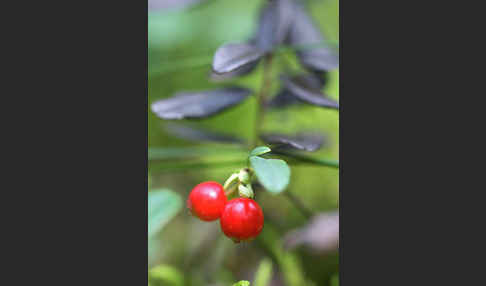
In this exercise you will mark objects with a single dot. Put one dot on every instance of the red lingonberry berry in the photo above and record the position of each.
(207, 200)
(242, 219)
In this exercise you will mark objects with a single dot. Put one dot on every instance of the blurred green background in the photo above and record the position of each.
(188, 251)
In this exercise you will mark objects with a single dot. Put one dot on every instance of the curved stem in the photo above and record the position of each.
(231, 190)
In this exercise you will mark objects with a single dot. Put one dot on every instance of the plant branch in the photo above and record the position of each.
(298, 204)
(302, 158)
(262, 96)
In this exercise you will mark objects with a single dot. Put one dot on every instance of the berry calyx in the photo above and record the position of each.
(207, 201)
(241, 219)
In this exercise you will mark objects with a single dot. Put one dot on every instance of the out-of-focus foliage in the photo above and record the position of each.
(165, 275)
(182, 43)
(162, 206)
(321, 234)
(264, 273)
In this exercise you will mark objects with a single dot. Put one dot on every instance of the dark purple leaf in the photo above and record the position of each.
(231, 57)
(200, 134)
(322, 77)
(321, 234)
(312, 54)
(301, 141)
(157, 5)
(307, 89)
(284, 98)
(273, 27)
(199, 104)
(246, 69)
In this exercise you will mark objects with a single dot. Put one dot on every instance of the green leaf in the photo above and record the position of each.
(163, 205)
(273, 174)
(242, 283)
(260, 151)
(264, 273)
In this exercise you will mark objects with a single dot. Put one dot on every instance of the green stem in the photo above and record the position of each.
(298, 205)
(317, 161)
(261, 97)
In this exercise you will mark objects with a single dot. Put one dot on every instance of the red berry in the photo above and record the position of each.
(242, 219)
(207, 200)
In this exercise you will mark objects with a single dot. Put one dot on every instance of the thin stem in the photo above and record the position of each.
(306, 159)
(261, 97)
(231, 190)
(299, 205)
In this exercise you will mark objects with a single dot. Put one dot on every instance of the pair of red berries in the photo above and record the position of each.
(241, 219)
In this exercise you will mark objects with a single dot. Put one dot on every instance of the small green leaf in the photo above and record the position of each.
(273, 174)
(264, 273)
(260, 151)
(242, 283)
(163, 205)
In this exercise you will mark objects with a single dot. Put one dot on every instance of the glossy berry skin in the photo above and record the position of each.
(207, 200)
(242, 219)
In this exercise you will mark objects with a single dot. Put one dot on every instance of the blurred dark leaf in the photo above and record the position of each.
(231, 57)
(321, 234)
(159, 5)
(199, 134)
(273, 27)
(244, 70)
(311, 81)
(199, 104)
(284, 98)
(305, 33)
(304, 88)
(273, 174)
(301, 141)
(322, 77)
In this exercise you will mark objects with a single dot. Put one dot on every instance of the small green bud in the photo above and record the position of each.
(244, 176)
(245, 191)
